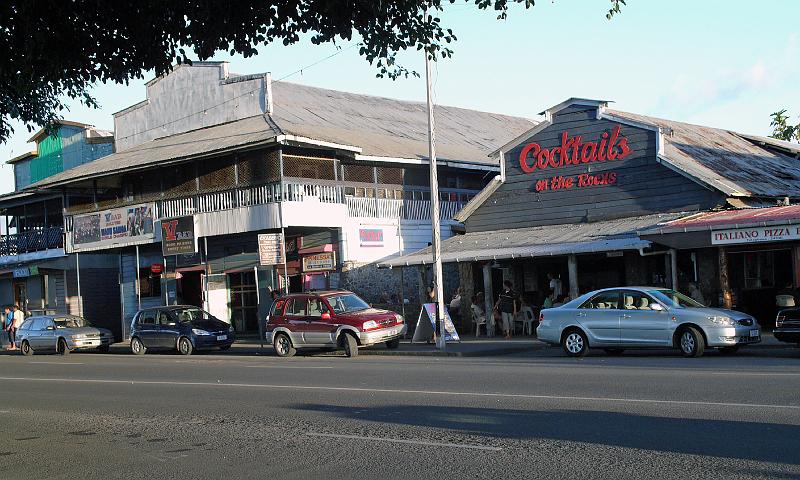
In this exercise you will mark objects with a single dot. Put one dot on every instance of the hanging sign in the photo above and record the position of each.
(177, 236)
(157, 268)
(774, 233)
(426, 325)
(319, 262)
(269, 248)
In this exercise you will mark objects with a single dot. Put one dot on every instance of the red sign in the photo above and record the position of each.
(156, 268)
(580, 181)
(574, 152)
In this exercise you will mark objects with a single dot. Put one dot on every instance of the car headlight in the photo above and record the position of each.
(779, 320)
(724, 321)
(370, 325)
(399, 318)
(197, 331)
(77, 337)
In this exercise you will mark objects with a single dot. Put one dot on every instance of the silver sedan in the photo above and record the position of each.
(61, 334)
(642, 317)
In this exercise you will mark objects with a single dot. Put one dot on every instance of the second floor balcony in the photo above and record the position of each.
(16, 244)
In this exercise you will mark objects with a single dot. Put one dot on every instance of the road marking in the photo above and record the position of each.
(57, 363)
(411, 392)
(400, 440)
(284, 366)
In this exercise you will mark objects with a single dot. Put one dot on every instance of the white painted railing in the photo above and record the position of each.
(404, 209)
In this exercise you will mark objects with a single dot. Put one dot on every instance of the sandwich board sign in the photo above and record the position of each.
(426, 325)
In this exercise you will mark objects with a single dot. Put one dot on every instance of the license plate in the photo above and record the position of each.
(753, 333)
(222, 337)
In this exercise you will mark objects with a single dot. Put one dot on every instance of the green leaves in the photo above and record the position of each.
(781, 128)
(62, 50)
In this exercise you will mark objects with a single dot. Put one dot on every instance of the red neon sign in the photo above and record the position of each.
(574, 152)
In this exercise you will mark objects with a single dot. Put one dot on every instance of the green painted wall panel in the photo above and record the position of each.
(50, 161)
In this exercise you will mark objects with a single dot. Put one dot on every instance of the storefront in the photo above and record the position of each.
(578, 191)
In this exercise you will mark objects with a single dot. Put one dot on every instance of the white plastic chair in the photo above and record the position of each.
(527, 320)
(478, 318)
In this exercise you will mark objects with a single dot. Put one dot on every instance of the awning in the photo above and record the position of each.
(725, 219)
(544, 241)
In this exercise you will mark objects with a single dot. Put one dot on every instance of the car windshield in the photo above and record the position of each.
(191, 315)
(671, 298)
(71, 322)
(347, 303)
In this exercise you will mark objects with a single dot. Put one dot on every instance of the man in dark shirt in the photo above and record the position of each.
(508, 306)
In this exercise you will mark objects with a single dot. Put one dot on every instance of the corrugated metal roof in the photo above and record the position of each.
(725, 160)
(219, 138)
(788, 214)
(609, 235)
(391, 128)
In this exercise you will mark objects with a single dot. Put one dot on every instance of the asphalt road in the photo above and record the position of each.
(527, 416)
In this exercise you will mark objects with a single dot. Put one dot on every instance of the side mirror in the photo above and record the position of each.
(325, 316)
(657, 307)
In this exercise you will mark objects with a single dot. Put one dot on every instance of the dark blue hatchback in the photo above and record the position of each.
(184, 328)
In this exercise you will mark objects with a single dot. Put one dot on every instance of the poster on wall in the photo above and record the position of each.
(177, 236)
(370, 237)
(319, 262)
(269, 248)
(119, 226)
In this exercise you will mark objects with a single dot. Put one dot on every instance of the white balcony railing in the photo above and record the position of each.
(403, 209)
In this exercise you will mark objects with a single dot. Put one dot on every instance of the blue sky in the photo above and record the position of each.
(721, 63)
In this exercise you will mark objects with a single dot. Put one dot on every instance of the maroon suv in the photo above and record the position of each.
(330, 319)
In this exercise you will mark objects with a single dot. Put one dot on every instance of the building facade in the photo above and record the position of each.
(595, 197)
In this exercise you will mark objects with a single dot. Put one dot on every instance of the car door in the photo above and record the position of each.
(296, 319)
(47, 335)
(147, 329)
(640, 324)
(319, 330)
(600, 317)
(168, 329)
(30, 331)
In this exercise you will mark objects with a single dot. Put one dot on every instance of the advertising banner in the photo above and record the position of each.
(177, 236)
(269, 248)
(110, 228)
(426, 325)
(370, 237)
(319, 262)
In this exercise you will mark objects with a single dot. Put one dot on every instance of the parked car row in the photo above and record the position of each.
(331, 319)
(611, 319)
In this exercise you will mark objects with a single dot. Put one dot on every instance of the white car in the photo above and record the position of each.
(643, 317)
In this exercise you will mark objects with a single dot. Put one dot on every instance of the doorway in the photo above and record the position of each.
(21, 295)
(190, 288)
(244, 301)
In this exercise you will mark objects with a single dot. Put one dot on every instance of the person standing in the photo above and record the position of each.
(455, 306)
(554, 284)
(10, 327)
(508, 305)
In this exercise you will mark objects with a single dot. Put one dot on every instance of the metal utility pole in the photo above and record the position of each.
(441, 344)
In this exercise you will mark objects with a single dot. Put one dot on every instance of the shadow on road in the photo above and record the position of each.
(719, 438)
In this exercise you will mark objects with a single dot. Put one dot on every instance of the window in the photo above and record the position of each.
(603, 300)
(147, 318)
(671, 298)
(347, 303)
(297, 307)
(277, 308)
(316, 307)
(149, 283)
(632, 300)
(167, 319)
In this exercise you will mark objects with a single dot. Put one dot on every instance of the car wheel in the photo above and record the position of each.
(392, 344)
(283, 345)
(692, 343)
(103, 348)
(184, 346)
(729, 350)
(575, 343)
(350, 345)
(137, 347)
(26, 349)
(614, 351)
(62, 347)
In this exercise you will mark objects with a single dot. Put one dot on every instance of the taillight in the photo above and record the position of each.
(779, 320)
(541, 317)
